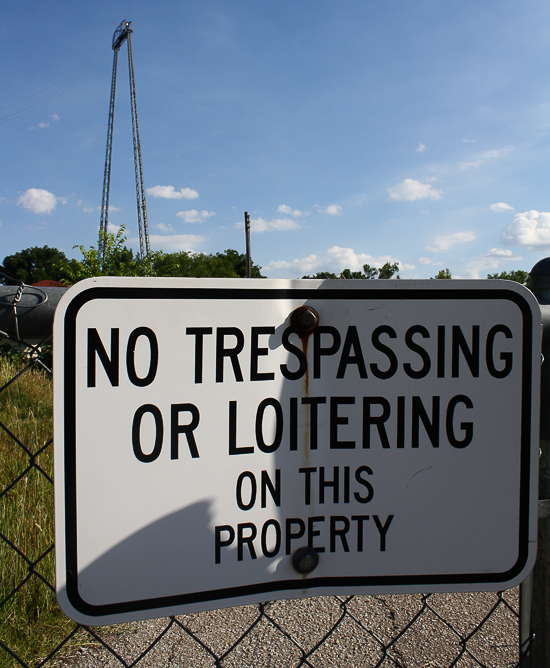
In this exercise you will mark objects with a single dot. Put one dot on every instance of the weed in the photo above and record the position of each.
(32, 623)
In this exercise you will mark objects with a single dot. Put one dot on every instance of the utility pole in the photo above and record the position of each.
(247, 234)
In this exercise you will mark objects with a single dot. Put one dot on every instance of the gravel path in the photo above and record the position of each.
(322, 632)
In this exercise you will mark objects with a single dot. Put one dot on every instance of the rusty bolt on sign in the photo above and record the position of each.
(305, 560)
(304, 320)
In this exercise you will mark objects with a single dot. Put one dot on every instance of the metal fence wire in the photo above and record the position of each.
(463, 630)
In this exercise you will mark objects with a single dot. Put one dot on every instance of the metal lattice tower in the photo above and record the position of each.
(122, 34)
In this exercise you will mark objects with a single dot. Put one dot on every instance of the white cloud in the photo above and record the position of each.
(425, 260)
(500, 207)
(480, 266)
(421, 148)
(331, 209)
(194, 216)
(277, 225)
(38, 200)
(482, 158)
(293, 268)
(289, 211)
(334, 260)
(164, 228)
(411, 189)
(174, 242)
(340, 258)
(530, 229)
(502, 254)
(169, 192)
(43, 124)
(447, 241)
(113, 229)
(81, 204)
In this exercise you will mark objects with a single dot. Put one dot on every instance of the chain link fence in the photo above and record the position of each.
(463, 630)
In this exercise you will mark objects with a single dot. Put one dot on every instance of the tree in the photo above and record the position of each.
(386, 271)
(119, 260)
(517, 275)
(238, 262)
(323, 275)
(368, 272)
(354, 275)
(33, 265)
(229, 264)
(172, 264)
(443, 273)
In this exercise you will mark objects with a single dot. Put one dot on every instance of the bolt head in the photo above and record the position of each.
(305, 560)
(304, 320)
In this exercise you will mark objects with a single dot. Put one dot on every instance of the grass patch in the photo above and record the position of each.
(32, 625)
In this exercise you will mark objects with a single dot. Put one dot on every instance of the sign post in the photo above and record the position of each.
(222, 442)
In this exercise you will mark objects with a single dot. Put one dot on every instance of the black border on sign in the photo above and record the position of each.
(423, 582)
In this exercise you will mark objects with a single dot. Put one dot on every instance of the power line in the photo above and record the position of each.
(59, 87)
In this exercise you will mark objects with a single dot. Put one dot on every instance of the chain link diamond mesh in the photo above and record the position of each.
(421, 631)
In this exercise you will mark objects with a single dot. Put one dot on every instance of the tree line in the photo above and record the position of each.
(37, 264)
(517, 275)
(391, 270)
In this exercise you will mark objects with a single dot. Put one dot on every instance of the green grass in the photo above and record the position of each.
(31, 623)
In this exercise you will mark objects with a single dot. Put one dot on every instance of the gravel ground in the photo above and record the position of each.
(322, 632)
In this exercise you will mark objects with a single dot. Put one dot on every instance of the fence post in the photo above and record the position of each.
(540, 610)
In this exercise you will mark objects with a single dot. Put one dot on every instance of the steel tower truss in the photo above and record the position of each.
(122, 34)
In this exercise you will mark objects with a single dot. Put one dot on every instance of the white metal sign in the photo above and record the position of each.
(221, 442)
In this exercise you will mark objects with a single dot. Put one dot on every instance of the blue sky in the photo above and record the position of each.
(352, 132)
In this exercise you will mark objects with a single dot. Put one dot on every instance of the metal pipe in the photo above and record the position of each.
(540, 610)
(525, 628)
(26, 312)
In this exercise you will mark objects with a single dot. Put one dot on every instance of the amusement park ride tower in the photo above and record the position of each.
(122, 34)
